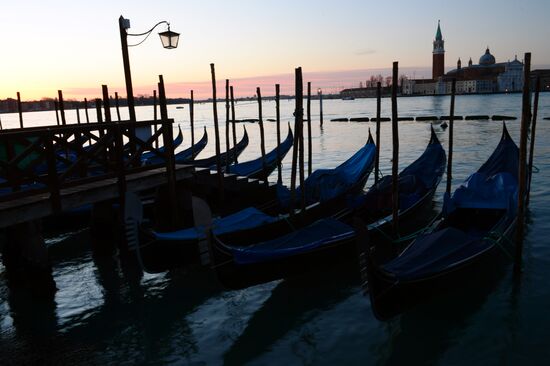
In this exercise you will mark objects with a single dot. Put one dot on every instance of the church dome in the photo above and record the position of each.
(487, 58)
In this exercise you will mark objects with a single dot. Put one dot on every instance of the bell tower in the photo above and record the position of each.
(438, 65)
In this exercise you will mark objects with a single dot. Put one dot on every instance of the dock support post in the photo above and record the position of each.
(395, 160)
(169, 151)
(309, 152)
(261, 123)
(278, 120)
(227, 143)
(20, 110)
(522, 173)
(377, 160)
(451, 136)
(192, 121)
(217, 133)
(233, 124)
(533, 134)
(25, 256)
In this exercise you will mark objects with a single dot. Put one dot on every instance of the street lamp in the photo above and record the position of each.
(320, 93)
(168, 38)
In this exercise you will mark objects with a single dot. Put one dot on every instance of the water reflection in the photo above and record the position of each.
(291, 305)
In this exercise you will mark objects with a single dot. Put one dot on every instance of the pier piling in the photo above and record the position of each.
(395, 150)
(522, 173)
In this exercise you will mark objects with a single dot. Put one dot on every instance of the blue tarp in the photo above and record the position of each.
(301, 241)
(434, 253)
(493, 186)
(246, 219)
(414, 181)
(252, 166)
(324, 184)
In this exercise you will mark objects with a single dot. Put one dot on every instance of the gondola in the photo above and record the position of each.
(150, 155)
(161, 251)
(256, 168)
(183, 156)
(469, 238)
(241, 263)
(230, 155)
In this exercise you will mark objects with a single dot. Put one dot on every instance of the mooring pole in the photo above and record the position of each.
(117, 106)
(56, 107)
(395, 160)
(192, 122)
(77, 115)
(451, 129)
(86, 110)
(301, 143)
(106, 103)
(233, 124)
(532, 145)
(320, 106)
(61, 107)
(261, 123)
(378, 106)
(227, 125)
(278, 119)
(168, 140)
(20, 110)
(155, 117)
(309, 152)
(298, 91)
(217, 132)
(522, 173)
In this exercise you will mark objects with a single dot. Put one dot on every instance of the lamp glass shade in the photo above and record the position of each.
(169, 39)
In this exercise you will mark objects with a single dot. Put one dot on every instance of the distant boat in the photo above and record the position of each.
(348, 98)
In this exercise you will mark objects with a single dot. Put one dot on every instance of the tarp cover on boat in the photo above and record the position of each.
(242, 220)
(324, 184)
(494, 185)
(252, 166)
(301, 241)
(414, 181)
(434, 253)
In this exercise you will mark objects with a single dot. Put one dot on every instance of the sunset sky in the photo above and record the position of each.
(75, 45)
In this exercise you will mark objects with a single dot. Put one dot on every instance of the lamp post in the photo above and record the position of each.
(320, 93)
(169, 40)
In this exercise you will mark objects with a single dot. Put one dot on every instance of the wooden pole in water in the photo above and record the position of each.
(278, 119)
(309, 152)
(86, 110)
(169, 150)
(155, 117)
(155, 105)
(192, 122)
(320, 107)
(297, 120)
(106, 103)
(56, 107)
(301, 144)
(61, 107)
(216, 132)
(533, 130)
(77, 115)
(233, 124)
(227, 125)
(261, 123)
(117, 105)
(451, 129)
(522, 173)
(378, 106)
(20, 110)
(395, 160)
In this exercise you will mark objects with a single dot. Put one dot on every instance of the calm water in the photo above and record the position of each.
(106, 314)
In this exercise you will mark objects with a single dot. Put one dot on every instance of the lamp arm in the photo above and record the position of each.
(150, 30)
